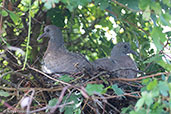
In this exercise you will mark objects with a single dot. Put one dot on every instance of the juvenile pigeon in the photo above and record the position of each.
(119, 62)
(57, 58)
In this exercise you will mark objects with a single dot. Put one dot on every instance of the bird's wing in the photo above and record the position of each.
(103, 63)
(64, 61)
(125, 67)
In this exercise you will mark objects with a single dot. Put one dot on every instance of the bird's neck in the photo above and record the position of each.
(55, 43)
(117, 55)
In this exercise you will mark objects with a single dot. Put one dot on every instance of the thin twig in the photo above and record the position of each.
(59, 100)
(62, 82)
(133, 79)
(36, 89)
(125, 94)
(144, 77)
(48, 107)
(30, 101)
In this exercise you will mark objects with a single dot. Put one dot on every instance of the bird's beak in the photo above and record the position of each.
(133, 52)
(44, 34)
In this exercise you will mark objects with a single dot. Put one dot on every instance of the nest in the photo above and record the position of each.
(32, 91)
(40, 90)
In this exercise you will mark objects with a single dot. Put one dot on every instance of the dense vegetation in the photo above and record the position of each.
(90, 27)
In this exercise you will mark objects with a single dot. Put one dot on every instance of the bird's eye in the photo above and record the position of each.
(47, 30)
(125, 46)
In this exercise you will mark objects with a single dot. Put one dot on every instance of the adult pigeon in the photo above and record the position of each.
(119, 62)
(57, 59)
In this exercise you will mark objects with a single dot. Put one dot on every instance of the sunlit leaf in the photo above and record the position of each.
(133, 4)
(70, 109)
(66, 78)
(143, 4)
(163, 87)
(139, 103)
(3, 13)
(152, 84)
(53, 102)
(117, 90)
(158, 59)
(94, 88)
(165, 19)
(158, 37)
(148, 98)
(15, 18)
(156, 7)
(3, 93)
(146, 14)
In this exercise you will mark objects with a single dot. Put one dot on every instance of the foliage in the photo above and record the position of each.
(3, 93)
(90, 27)
(117, 90)
(155, 97)
(94, 89)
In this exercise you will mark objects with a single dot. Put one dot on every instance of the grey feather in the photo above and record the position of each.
(119, 62)
(57, 58)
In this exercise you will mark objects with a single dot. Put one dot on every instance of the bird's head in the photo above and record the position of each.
(122, 48)
(50, 31)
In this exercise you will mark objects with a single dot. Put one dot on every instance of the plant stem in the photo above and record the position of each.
(28, 37)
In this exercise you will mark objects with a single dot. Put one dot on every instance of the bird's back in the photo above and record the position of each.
(119, 62)
(62, 60)
(103, 63)
(125, 67)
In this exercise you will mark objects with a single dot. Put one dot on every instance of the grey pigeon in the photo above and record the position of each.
(119, 62)
(57, 58)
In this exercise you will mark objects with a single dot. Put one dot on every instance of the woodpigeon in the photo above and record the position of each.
(119, 62)
(57, 59)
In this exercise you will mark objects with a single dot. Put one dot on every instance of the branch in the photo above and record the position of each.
(59, 100)
(62, 82)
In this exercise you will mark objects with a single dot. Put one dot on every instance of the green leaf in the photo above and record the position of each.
(146, 14)
(143, 4)
(83, 2)
(169, 79)
(70, 109)
(77, 111)
(164, 88)
(152, 84)
(141, 111)
(49, 4)
(158, 37)
(57, 16)
(156, 7)
(3, 93)
(66, 78)
(53, 102)
(139, 104)
(92, 88)
(148, 98)
(3, 13)
(132, 4)
(166, 2)
(155, 92)
(15, 18)
(165, 19)
(117, 90)
(164, 65)
(145, 81)
(158, 59)
(104, 4)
